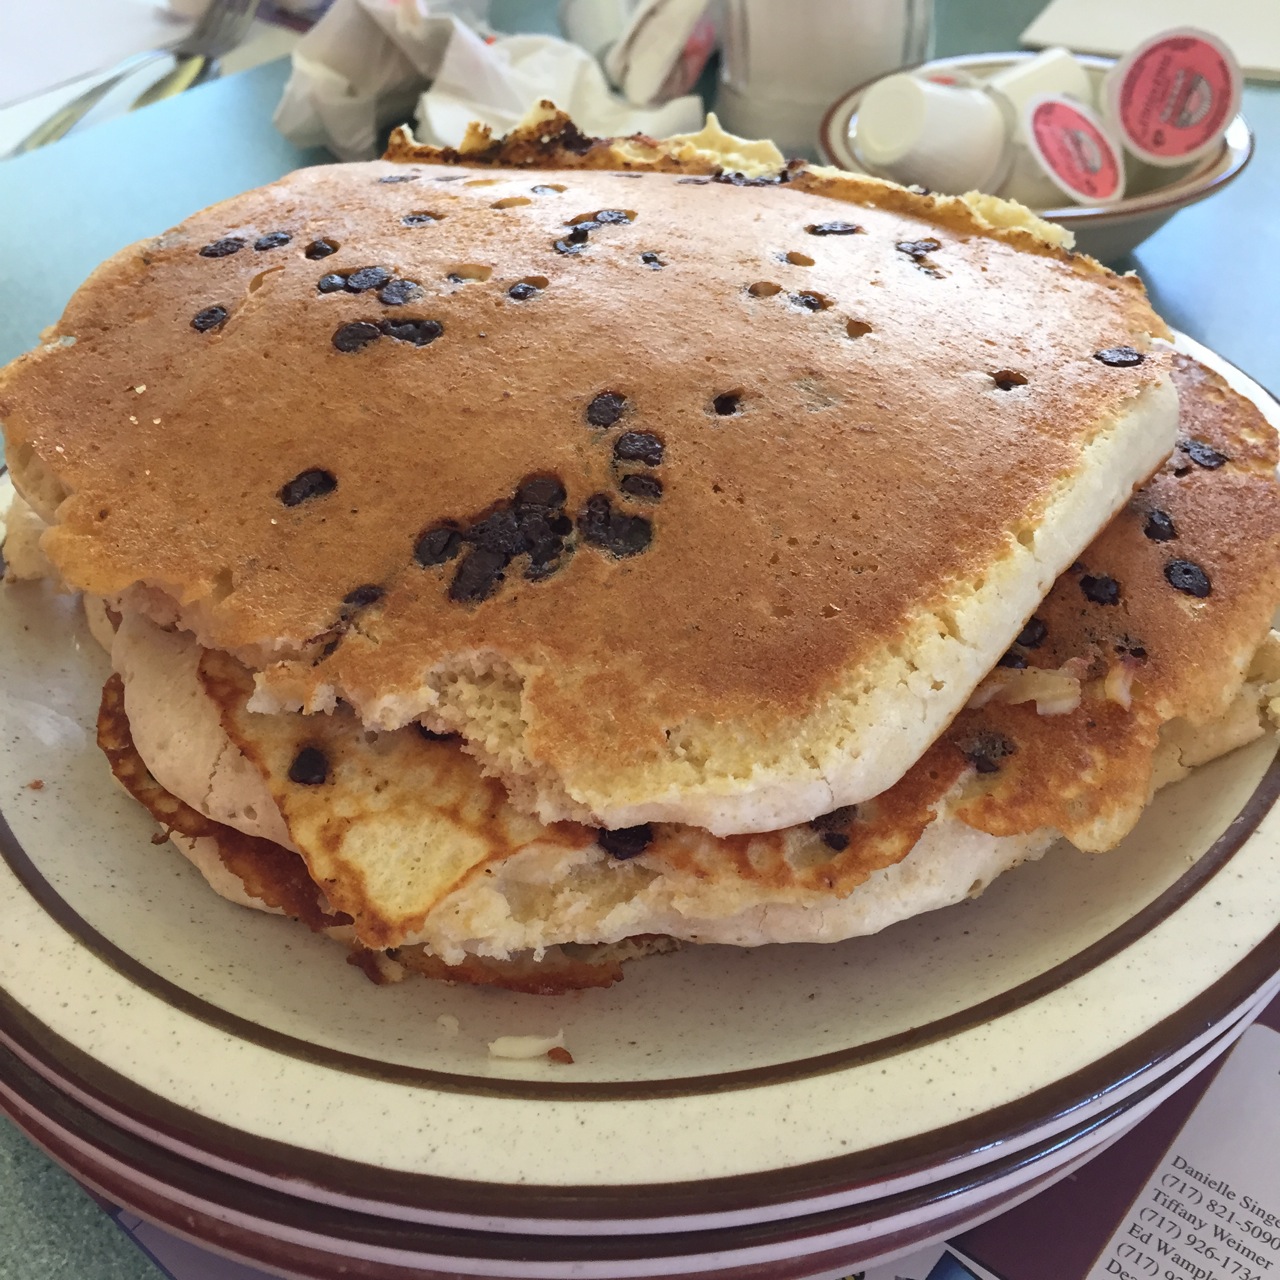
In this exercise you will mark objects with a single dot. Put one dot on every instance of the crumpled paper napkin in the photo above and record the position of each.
(366, 63)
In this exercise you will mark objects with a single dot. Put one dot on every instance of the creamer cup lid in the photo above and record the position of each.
(1075, 149)
(1172, 97)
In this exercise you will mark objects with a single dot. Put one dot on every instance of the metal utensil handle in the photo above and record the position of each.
(67, 117)
(189, 72)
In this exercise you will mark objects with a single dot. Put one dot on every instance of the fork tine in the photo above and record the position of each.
(220, 28)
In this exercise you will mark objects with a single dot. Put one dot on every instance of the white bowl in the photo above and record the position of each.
(1107, 232)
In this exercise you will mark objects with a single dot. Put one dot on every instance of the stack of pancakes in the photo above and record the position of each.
(517, 558)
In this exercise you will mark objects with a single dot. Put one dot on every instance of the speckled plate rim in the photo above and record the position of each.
(283, 1232)
(1213, 173)
(904, 1166)
(288, 1258)
(651, 1129)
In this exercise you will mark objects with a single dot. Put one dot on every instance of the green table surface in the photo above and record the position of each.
(1213, 272)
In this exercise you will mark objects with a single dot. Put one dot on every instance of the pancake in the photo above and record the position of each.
(683, 496)
(1150, 655)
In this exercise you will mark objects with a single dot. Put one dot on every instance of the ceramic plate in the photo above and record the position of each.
(291, 1235)
(710, 1089)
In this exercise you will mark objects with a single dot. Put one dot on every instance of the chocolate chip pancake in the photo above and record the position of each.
(1150, 655)
(682, 495)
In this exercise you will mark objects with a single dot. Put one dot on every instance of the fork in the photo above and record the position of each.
(224, 24)
(220, 29)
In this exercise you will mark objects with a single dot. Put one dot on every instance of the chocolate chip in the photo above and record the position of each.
(833, 229)
(354, 336)
(418, 219)
(728, 404)
(567, 247)
(209, 318)
(522, 292)
(313, 483)
(436, 546)
(1159, 527)
(651, 259)
(625, 842)
(612, 217)
(499, 532)
(836, 820)
(606, 409)
(638, 446)
(735, 179)
(836, 841)
(1007, 379)
(389, 178)
(579, 232)
(478, 576)
(649, 488)
(573, 139)
(534, 525)
(540, 491)
(396, 293)
(692, 182)
(1012, 659)
(272, 240)
(223, 248)
(1202, 454)
(1032, 636)
(309, 768)
(1100, 589)
(363, 596)
(917, 249)
(367, 278)
(419, 332)
(545, 558)
(1189, 578)
(613, 531)
(432, 736)
(331, 283)
(545, 191)
(985, 751)
(318, 249)
(810, 301)
(1119, 357)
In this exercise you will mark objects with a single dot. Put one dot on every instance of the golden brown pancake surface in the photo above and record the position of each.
(761, 422)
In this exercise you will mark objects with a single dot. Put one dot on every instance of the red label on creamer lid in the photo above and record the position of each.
(1074, 149)
(1175, 94)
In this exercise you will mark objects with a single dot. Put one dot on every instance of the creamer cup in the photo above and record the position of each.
(1075, 149)
(1054, 72)
(1170, 99)
(943, 136)
(1028, 183)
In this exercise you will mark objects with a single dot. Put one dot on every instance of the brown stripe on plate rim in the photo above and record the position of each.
(278, 1209)
(1098, 952)
(832, 1175)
